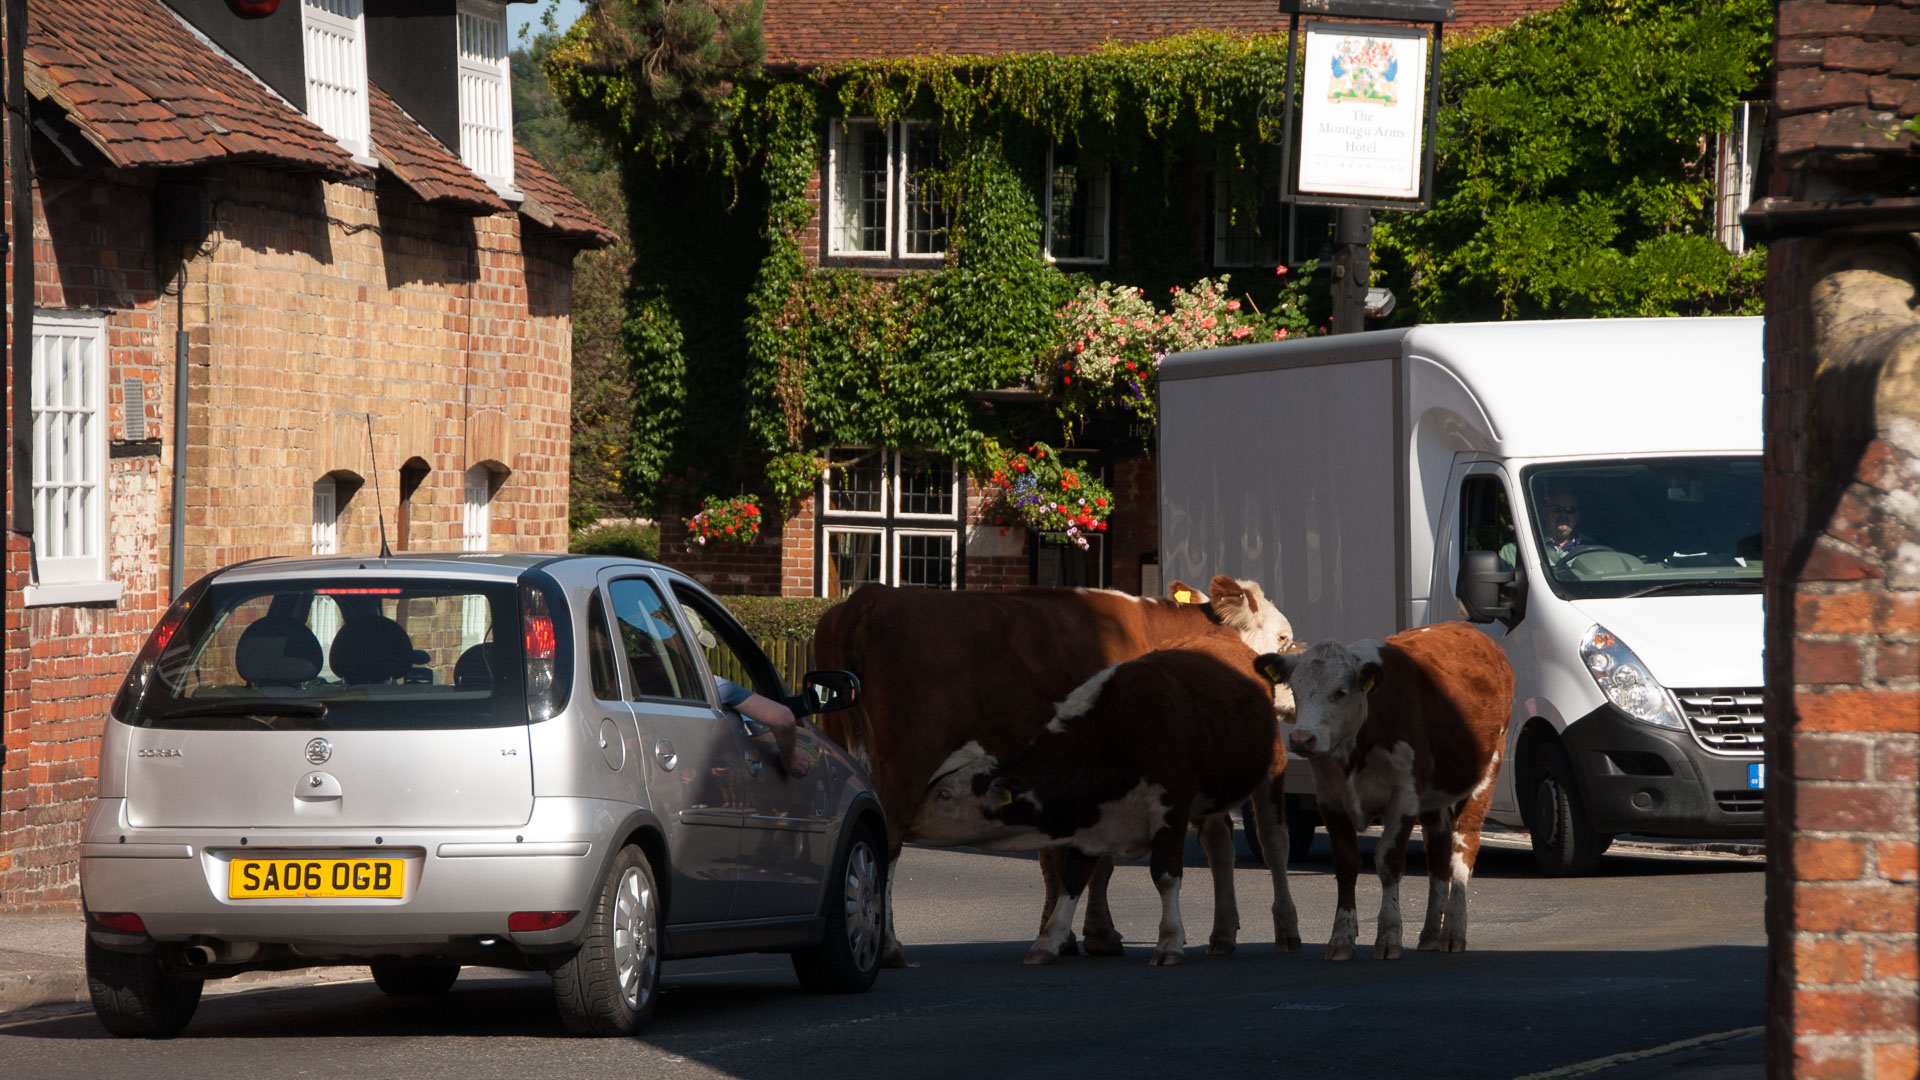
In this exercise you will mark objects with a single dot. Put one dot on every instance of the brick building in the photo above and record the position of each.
(864, 533)
(365, 283)
(1843, 543)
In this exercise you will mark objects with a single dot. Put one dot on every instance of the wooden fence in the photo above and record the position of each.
(792, 657)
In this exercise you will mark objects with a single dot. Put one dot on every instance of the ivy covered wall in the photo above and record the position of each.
(1573, 180)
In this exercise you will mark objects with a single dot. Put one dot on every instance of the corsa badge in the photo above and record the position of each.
(318, 751)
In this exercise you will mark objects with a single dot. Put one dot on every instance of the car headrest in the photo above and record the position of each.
(277, 651)
(474, 669)
(371, 649)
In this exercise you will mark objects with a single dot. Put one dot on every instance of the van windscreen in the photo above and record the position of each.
(401, 654)
(1648, 526)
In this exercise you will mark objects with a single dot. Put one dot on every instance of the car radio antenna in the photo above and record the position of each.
(378, 510)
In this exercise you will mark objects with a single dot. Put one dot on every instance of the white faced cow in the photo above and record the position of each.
(1128, 759)
(1410, 728)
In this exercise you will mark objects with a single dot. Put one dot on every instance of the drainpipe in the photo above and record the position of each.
(21, 238)
(177, 576)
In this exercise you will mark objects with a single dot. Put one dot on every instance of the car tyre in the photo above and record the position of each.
(134, 998)
(414, 980)
(1564, 845)
(847, 960)
(610, 984)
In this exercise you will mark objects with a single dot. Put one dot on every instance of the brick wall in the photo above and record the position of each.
(1843, 658)
(311, 306)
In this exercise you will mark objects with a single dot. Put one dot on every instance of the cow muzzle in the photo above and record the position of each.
(1303, 742)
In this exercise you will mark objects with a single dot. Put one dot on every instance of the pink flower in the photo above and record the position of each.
(1233, 305)
(1123, 341)
(1279, 335)
(1279, 269)
(1241, 331)
(1208, 322)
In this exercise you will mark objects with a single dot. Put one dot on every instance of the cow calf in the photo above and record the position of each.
(1127, 761)
(1405, 729)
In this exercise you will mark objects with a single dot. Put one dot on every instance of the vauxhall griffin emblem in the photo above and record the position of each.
(318, 751)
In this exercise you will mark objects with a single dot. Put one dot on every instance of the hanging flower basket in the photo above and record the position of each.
(725, 521)
(1041, 492)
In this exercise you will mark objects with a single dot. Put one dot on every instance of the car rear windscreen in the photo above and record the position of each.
(397, 654)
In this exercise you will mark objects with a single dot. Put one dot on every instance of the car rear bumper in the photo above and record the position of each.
(460, 884)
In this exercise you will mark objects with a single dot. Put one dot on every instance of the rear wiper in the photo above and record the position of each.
(258, 707)
(1710, 584)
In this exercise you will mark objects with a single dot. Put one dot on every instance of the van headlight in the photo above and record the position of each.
(1624, 679)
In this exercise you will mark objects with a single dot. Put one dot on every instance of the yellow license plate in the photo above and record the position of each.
(268, 879)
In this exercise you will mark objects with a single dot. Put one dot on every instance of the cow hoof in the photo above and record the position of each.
(1221, 945)
(1038, 955)
(1390, 951)
(1340, 952)
(1291, 944)
(1165, 959)
(1104, 943)
(893, 957)
(1071, 947)
(1453, 945)
(1429, 944)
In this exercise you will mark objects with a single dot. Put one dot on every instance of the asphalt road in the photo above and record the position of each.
(1657, 949)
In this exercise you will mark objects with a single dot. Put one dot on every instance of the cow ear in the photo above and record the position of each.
(1185, 593)
(1277, 667)
(1370, 673)
(1223, 590)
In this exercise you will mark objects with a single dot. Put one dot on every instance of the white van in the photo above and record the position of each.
(1587, 491)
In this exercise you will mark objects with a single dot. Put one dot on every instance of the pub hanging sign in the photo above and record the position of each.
(1363, 110)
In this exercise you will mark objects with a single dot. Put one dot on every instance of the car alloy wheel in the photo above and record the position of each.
(866, 908)
(634, 926)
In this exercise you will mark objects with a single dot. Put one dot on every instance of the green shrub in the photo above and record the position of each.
(633, 541)
(778, 616)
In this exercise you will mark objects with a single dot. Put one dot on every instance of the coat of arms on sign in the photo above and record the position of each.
(1365, 69)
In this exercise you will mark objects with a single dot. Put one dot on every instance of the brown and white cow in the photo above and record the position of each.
(1127, 760)
(1405, 729)
(940, 670)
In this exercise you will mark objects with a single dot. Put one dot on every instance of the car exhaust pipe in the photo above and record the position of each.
(197, 956)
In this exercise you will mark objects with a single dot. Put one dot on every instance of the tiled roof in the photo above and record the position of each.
(1847, 76)
(419, 161)
(144, 90)
(549, 203)
(809, 33)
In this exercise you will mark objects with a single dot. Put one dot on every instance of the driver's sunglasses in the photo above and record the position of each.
(1562, 508)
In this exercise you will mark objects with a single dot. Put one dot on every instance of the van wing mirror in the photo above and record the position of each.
(1479, 590)
(825, 692)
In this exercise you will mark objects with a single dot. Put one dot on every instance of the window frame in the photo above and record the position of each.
(491, 78)
(886, 486)
(892, 563)
(1738, 177)
(86, 577)
(1104, 177)
(890, 522)
(903, 173)
(326, 524)
(355, 119)
(896, 487)
(836, 146)
(476, 517)
(827, 532)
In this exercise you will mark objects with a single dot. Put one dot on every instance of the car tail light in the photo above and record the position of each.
(542, 702)
(126, 922)
(163, 633)
(526, 922)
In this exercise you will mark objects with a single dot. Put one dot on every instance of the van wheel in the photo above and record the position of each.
(848, 957)
(1564, 845)
(134, 998)
(610, 984)
(414, 980)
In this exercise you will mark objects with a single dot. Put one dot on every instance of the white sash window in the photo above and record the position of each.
(69, 459)
(335, 36)
(486, 109)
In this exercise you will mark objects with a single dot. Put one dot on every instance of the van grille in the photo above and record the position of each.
(1740, 802)
(1725, 721)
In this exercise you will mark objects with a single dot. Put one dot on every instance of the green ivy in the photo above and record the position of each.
(1570, 182)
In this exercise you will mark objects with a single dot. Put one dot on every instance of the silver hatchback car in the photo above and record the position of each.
(424, 762)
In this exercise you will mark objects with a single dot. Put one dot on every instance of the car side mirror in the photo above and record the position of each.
(1479, 589)
(825, 692)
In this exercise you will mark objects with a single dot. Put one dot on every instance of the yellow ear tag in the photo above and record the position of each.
(1372, 681)
(1006, 797)
(1183, 596)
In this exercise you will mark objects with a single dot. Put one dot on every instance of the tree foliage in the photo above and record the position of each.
(1575, 160)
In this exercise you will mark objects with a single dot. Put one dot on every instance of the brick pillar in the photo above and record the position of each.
(1843, 661)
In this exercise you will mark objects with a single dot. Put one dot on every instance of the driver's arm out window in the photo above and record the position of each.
(658, 659)
(730, 654)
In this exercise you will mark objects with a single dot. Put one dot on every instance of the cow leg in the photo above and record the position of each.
(1050, 861)
(1076, 869)
(1168, 861)
(1466, 851)
(1436, 838)
(1270, 811)
(1216, 839)
(1098, 934)
(1390, 860)
(1346, 871)
(892, 954)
